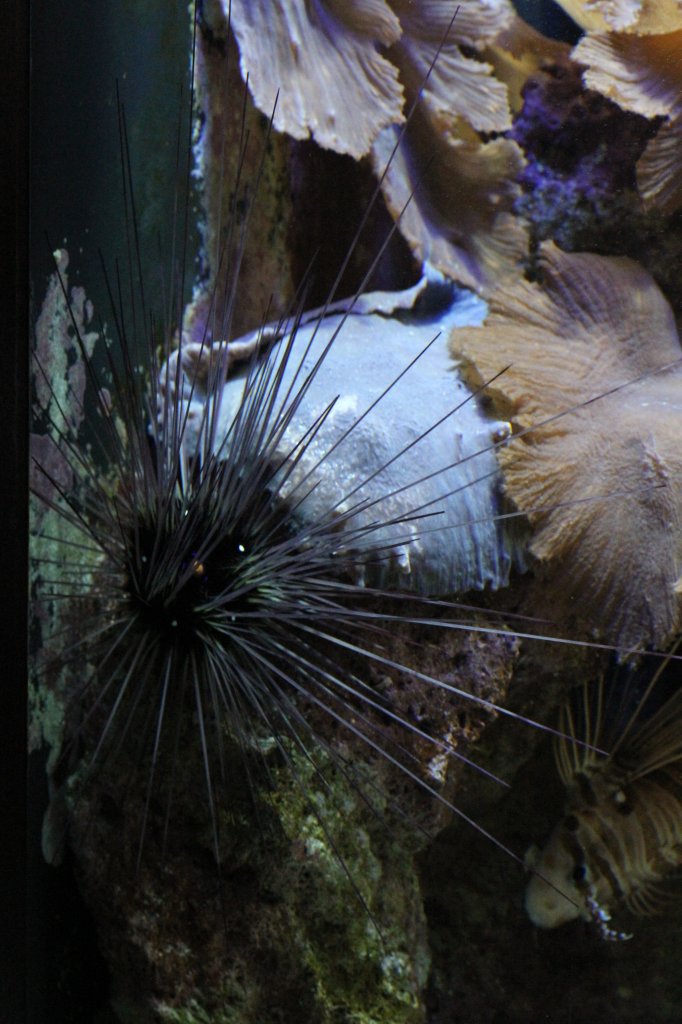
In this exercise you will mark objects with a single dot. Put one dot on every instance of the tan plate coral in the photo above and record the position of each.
(452, 188)
(348, 75)
(317, 66)
(595, 380)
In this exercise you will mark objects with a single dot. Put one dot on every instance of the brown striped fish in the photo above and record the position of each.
(620, 839)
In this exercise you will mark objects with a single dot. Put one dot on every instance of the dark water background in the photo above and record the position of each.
(80, 52)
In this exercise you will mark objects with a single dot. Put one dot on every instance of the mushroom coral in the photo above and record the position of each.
(323, 60)
(453, 191)
(633, 54)
(317, 66)
(454, 198)
(460, 84)
(594, 391)
(642, 16)
(644, 74)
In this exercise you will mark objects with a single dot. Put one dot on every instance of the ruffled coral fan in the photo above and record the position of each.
(595, 377)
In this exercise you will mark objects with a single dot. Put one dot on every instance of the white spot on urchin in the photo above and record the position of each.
(359, 575)
(495, 433)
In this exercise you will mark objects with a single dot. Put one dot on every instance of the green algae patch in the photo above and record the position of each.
(369, 965)
(319, 918)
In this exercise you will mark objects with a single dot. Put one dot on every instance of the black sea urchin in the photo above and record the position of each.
(214, 592)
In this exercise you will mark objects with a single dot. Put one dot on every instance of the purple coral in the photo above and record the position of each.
(579, 184)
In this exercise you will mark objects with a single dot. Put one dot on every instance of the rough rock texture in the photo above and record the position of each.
(317, 904)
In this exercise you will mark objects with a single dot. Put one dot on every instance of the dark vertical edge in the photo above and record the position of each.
(14, 60)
